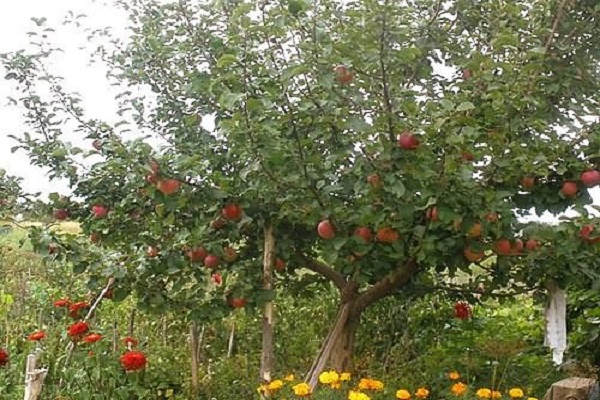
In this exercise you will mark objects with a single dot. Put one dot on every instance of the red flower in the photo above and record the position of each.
(92, 338)
(133, 361)
(36, 336)
(217, 278)
(76, 307)
(62, 303)
(3, 357)
(462, 310)
(78, 329)
(130, 342)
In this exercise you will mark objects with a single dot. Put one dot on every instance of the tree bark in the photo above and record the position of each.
(34, 378)
(194, 343)
(267, 358)
(342, 351)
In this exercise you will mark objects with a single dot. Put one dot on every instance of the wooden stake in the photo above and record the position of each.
(34, 378)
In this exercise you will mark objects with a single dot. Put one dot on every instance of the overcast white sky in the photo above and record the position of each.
(89, 81)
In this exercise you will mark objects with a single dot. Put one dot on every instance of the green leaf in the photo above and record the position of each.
(465, 106)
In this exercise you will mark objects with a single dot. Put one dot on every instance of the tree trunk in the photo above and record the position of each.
(194, 343)
(342, 351)
(267, 357)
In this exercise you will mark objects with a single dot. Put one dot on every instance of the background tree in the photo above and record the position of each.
(388, 144)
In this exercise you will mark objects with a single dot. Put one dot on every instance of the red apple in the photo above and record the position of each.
(474, 231)
(586, 230)
(387, 235)
(211, 261)
(152, 179)
(238, 302)
(197, 253)
(279, 265)
(569, 189)
(97, 144)
(473, 256)
(217, 278)
(590, 178)
(61, 214)
(432, 214)
(532, 244)
(528, 182)
(502, 247)
(343, 75)
(326, 230)
(168, 186)
(374, 180)
(152, 251)
(517, 247)
(467, 74)
(467, 157)
(99, 211)
(408, 141)
(229, 254)
(364, 233)
(232, 212)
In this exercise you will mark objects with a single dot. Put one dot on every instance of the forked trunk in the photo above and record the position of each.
(342, 351)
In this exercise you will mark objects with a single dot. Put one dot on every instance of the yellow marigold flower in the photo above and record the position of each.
(484, 393)
(262, 389)
(329, 377)
(403, 394)
(289, 378)
(422, 393)
(532, 398)
(515, 393)
(352, 395)
(454, 375)
(458, 389)
(345, 376)
(496, 394)
(275, 385)
(301, 389)
(370, 384)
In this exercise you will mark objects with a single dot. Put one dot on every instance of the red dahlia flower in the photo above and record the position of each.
(133, 361)
(462, 310)
(62, 303)
(3, 357)
(36, 336)
(75, 308)
(92, 338)
(78, 329)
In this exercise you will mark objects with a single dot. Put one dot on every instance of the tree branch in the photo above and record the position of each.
(559, 15)
(322, 269)
(384, 77)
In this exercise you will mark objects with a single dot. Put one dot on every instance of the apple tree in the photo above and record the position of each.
(375, 143)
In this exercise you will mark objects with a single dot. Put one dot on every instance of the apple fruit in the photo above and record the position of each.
(590, 178)
(326, 230)
(232, 212)
(152, 179)
(471, 255)
(97, 144)
(467, 74)
(343, 74)
(586, 230)
(517, 247)
(168, 186)
(197, 253)
(229, 254)
(467, 157)
(279, 265)
(474, 231)
(217, 278)
(528, 182)
(531, 244)
(211, 261)
(569, 189)
(432, 214)
(152, 251)
(502, 247)
(61, 214)
(99, 211)
(374, 180)
(238, 302)
(387, 235)
(408, 141)
(217, 224)
(364, 233)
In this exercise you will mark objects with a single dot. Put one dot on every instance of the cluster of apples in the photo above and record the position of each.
(589, 178)
(327, 231)
(166, 186)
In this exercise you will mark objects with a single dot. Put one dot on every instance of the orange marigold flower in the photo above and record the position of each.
(3, 357)
(92, 338)
(454, 375)
(496, 394)
(78, 329)
(422, 393)
(36, 336)
(459, 388)
(62, 303)
(403, 394)
(484, 393)
(370, 384)
(133, 360)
